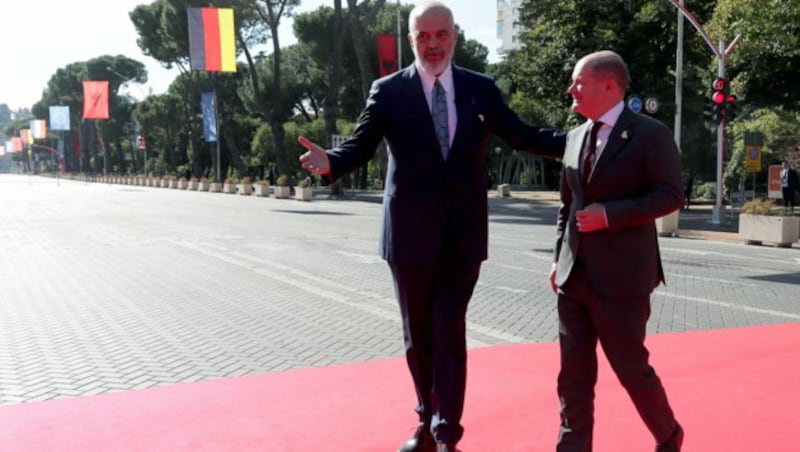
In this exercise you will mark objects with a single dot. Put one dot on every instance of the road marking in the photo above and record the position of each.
(771, 312)
(310, 283)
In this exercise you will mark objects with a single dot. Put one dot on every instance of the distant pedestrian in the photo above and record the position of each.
(272, 175)
(788, 185)
(688, 186)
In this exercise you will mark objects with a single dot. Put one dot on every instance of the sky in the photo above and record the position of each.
(59, 32)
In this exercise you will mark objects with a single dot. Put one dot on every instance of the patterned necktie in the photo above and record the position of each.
(588, 153)
(439, 112)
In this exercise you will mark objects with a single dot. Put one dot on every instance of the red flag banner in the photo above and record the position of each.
(16, 144)
(387, 54)
(212, 45)
(95, 100)
(76, 144)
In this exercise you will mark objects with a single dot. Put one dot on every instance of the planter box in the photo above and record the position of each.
(173, 183)
(782, 231)
(504, 190)
(215, 187)
(229, 188)
(192, 185)
(245, 189)
(303, 193)
(283, 192)
(261, 190)
(183, 184)
(203, 186)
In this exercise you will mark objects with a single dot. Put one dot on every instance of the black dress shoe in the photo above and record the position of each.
(420, 441)
(674, 443)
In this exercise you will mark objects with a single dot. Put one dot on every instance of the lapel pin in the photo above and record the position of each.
(624, 134)
(480, 116)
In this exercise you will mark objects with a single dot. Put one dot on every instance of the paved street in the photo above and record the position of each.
(111, 287)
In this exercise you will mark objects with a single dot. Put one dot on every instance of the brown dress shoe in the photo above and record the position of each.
(420, 441)
(674, 442)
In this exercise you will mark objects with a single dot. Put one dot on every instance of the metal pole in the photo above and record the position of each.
(679, 79)
(718, 214)
(399, 39)
(216, 124)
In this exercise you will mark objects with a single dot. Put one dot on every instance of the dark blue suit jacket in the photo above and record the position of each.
(426, 197)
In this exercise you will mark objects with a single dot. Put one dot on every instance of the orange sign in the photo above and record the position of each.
(774, 182)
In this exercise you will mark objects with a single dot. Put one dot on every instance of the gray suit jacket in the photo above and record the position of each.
(638, 179)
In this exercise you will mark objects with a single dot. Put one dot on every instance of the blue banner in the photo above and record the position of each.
(59, 117)
(209, 106)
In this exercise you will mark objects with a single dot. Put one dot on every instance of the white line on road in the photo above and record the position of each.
(311, 282)
(724, 304)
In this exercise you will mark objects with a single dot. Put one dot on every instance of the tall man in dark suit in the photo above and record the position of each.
(620, 172)
(436, 119)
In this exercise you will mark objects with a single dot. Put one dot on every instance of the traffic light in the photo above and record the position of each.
(730, 107)
(724, 103)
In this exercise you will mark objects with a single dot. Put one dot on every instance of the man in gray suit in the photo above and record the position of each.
(620, 172)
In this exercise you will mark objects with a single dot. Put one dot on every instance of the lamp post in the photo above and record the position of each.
(721, 53)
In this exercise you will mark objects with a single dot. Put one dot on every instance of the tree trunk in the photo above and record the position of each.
(364, 66)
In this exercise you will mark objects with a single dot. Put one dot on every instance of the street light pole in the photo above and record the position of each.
(718, 213)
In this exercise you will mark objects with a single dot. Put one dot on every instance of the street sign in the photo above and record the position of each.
(635, 104)
(753, 162)
(651, 105)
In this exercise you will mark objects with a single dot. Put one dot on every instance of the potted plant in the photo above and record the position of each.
(229, 185)
(760, 222)
(261, 188)
(245, 186)
(303, 192)
(215, 186)
(282, 188)
(203, 184)
(193, 183)
(183, 184)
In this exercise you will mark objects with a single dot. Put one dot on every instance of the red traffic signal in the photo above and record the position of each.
(731, 99)
(718, 98)
(720, 84)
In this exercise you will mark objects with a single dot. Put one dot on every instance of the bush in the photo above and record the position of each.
(758, 207)
(282, 181)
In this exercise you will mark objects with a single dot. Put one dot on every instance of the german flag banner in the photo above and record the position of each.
(212, 46)
(95, 100)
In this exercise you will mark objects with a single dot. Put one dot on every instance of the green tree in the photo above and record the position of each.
(765, 61)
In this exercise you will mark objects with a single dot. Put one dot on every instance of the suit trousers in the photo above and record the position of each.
(433, 302)
(619, 324)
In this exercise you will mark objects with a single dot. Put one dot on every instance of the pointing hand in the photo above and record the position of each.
(315, 159)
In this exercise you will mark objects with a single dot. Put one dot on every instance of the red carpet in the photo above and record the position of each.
(733, 390)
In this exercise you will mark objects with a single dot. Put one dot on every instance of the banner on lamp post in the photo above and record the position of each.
(59, 117)
(387, 54)
(95, 99)
(209, 107)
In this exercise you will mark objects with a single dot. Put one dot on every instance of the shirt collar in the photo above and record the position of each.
(428, 79)
(610, 117)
